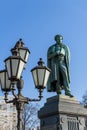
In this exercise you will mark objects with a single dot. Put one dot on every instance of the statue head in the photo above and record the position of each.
(58, 38)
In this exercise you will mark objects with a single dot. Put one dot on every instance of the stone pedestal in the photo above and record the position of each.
(62, 113)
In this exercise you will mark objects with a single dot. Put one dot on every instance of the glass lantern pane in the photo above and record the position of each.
(22, 53)
(14, 66)
(5, 83)
(2, 79)
(8, 82)
(46, 77)
(8, 65)
(27, 55)
(34, 74)
(41, 74)
(20, 68)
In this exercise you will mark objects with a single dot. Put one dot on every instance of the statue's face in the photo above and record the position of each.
(59, 40)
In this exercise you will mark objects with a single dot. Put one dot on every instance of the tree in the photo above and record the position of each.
(29, 117)
(84, 101)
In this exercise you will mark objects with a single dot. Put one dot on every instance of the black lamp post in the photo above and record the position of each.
(11, 78)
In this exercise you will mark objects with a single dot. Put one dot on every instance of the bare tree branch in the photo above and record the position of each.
(29, 117)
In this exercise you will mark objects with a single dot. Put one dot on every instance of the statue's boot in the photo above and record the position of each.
(58, 91)
(69, 94)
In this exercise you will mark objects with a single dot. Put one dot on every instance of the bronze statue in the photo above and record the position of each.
(58, 60)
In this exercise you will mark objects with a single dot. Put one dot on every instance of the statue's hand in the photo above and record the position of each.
(52, 55)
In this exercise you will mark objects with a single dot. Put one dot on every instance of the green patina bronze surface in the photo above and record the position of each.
(58, 60)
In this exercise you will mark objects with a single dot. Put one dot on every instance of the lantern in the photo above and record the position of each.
(14, 66)
(5, 82)
(40, 75)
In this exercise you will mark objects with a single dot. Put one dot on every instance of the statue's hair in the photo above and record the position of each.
(58, 36)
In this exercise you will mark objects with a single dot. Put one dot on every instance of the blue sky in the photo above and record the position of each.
(37, 22)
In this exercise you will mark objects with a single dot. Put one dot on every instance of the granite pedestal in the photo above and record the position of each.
(62, 113)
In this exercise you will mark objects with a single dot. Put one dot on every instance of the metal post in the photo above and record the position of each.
(19, 107)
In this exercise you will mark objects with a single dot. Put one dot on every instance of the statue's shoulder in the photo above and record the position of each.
(65, 47)
(51, 49)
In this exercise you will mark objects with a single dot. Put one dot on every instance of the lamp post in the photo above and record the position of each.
(11, 78)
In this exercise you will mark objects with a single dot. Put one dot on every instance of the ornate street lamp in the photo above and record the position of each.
(11, 77)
